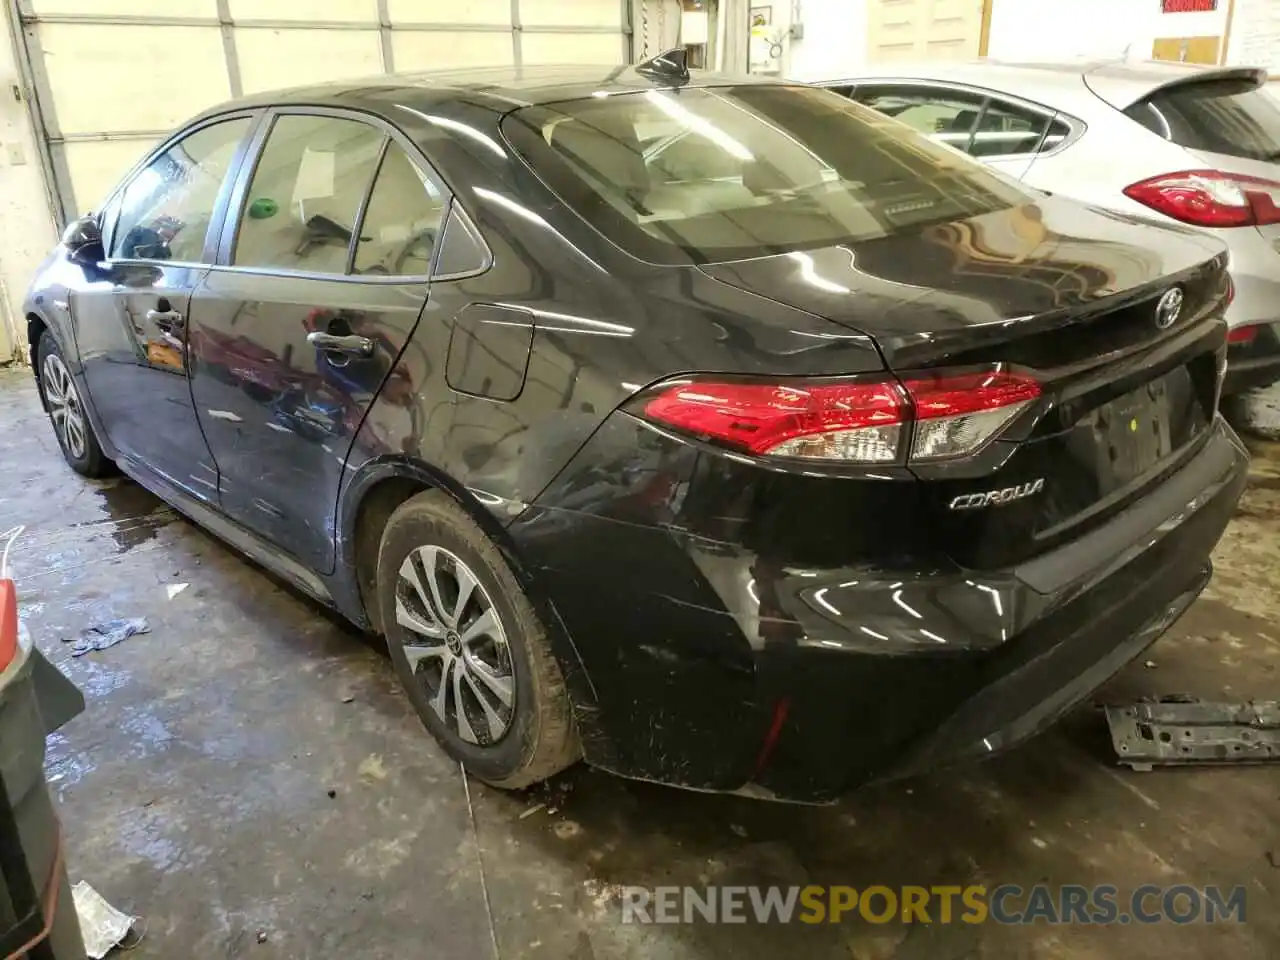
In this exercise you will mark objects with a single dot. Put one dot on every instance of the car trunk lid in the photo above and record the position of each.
(1066, 293)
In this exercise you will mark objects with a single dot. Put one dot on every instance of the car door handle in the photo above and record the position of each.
(352, 346)
(165, 319)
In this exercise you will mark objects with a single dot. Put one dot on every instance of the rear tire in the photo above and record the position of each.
(80, 447)
(469, 648)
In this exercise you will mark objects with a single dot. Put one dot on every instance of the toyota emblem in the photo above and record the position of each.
(1168, 308)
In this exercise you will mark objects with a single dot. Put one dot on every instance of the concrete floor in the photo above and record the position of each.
(196, 788)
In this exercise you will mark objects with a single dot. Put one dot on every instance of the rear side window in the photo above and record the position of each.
(402, 220)
(759, 170)
(306, 192)
(982, 126)
(1005, 130)
(1228, 116)
(1055, 137)
(949, 117)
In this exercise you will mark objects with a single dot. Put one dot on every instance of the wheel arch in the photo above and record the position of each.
(373, 493)
(36, 327)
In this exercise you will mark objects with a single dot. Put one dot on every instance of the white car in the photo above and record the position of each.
(1170, 141)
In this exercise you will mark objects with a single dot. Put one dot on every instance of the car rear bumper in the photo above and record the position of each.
(713, 663)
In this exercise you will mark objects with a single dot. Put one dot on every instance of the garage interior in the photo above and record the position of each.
(248, 777)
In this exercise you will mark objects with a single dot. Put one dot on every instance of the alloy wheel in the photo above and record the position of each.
(456, 644)
(65, 407)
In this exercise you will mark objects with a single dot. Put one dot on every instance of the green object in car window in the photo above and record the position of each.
(263, 208)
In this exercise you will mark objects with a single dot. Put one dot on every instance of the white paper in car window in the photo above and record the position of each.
(317, 176)
(394, 233)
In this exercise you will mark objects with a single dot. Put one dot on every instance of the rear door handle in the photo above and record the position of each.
(169, 320)
(351, 346)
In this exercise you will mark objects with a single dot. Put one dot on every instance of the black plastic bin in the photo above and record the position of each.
(37, 916)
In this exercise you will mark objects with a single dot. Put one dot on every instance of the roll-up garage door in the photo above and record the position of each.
(111, 77)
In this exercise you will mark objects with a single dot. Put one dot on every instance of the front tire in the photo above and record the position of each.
(468, 646)
(80, 447)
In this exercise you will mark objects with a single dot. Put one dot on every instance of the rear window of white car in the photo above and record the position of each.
(1231, 116)
(727, 173)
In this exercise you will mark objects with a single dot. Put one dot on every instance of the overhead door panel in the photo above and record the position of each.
(127, 8)
(600, 48)
(109, 122)
(109, 78)
(319, 11)
(130, 87)
(492, 12)
(442, 50)
(270, 59)
(564, 13)
(595, 37)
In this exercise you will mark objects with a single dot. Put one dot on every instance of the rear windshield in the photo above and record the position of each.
(1229, 116)
(727, 173)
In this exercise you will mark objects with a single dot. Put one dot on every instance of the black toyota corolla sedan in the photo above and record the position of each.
(722, 432)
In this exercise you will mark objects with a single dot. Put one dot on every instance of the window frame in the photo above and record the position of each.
(113, 204)
(1075, 126)
(226, 241)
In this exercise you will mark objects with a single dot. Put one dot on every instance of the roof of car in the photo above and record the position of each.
(1118, 81)
(502, 88)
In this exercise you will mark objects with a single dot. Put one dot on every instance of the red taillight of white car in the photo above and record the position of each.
(1242, 335)
(8, 623)
(1210, 198)
(919, 419)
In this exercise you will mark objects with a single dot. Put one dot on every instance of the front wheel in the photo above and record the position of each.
(469, 648)
(80, 447)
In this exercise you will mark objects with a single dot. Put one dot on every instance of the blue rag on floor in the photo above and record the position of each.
(103, 635)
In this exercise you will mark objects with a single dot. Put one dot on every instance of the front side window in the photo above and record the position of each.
(165, 211)
(301, 209)
(402, 221)
(762, 169)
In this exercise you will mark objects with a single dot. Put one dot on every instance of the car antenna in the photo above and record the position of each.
(672, 65)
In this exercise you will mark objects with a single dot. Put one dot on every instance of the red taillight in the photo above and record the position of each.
(942, 416)
(957, 414)
(1241, 335)
(8, 623)
(1210, 198)
(848, 421)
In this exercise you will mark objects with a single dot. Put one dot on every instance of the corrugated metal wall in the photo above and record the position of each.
(112, 76)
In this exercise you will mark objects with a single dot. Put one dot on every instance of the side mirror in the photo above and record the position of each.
(83, 240)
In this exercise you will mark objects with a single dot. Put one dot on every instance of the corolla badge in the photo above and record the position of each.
(976, 501)
(1168, 307)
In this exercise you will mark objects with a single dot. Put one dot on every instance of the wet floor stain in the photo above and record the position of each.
(133, 513)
